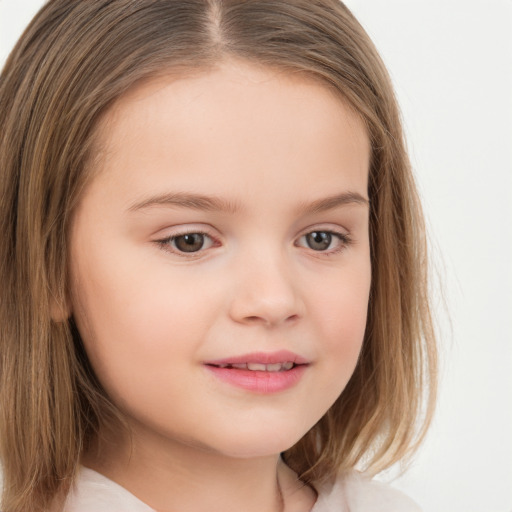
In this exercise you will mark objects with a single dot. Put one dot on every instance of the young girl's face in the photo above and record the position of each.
(227, 224)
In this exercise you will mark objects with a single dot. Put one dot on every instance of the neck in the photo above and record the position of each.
(194, 479)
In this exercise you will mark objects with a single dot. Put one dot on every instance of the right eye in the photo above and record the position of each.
(187, 243)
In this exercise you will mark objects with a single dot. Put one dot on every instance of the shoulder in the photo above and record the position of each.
(355, 492)
(95, 492)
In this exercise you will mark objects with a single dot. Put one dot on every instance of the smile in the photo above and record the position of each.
(259, 367)
(261, 373)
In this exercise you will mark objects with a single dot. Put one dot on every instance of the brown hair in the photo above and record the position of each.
(74, 60)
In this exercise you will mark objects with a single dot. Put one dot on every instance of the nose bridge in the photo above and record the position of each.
(265, 290)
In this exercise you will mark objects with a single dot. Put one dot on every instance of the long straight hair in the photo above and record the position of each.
(72, 63)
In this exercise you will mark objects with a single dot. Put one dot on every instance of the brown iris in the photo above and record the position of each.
(192, 242)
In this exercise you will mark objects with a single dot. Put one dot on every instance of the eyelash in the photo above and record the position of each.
(344, 241)
(166, 243)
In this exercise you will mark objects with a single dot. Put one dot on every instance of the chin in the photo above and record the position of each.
(265, 443)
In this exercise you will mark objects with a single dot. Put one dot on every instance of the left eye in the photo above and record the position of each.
(323, 240)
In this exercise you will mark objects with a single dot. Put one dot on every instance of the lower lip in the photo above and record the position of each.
(260, 382)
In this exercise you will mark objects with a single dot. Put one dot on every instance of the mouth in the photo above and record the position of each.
(257, 367)
(261, 373)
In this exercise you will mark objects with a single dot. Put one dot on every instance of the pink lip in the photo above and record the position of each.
(263, 382)
(282, 356)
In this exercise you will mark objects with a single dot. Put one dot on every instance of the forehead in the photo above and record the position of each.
(235, 116)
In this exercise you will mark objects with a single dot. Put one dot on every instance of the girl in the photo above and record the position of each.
(213, 267)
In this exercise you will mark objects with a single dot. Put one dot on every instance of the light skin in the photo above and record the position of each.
(270, 172)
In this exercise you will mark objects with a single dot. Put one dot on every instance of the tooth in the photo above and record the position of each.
(276, 367)
(222, 365)
(258, 367)
(240, 366)
(288, 365)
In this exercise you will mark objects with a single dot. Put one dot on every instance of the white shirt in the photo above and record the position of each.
(94, 492)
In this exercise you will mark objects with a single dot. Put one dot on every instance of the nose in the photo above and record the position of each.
(266, 292)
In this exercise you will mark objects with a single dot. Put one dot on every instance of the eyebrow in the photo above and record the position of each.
(187, 200)
(214, 203)
(335, 201)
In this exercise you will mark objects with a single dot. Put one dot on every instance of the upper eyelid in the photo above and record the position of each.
(327, 229)
(310, 229)
(344, 239)
(177, 232)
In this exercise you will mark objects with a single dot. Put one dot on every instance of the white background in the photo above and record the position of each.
(451, 62)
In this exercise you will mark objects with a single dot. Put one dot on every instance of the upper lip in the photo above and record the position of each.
(281, 356)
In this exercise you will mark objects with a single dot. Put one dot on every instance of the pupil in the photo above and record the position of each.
(319, 240)
(189, 243)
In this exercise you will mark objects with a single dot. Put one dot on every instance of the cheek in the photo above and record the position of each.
(341, 311)
(132, 321)
(135, 343)
(130, 297)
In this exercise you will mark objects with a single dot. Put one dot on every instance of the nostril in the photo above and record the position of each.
(269, 320)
